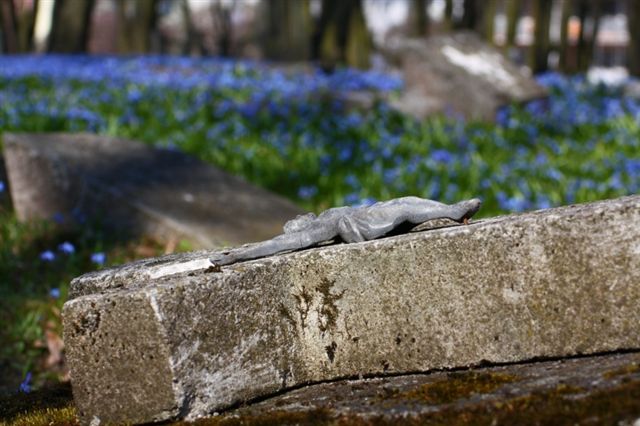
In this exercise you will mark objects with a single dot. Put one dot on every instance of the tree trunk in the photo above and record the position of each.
(27, 27)
(136, 22)
(418, 19)
(540, 51)
(586, 41)
(70, 27)
(564, 36)
(222, 22)
(9, 27)
(513, 16)
(287, 35)
(341, 35)
(470, 15)
(358, 41)
(586, 58)
(488, 20)
(194, 42)
(582, 38)
(633, 49)
(448, 15)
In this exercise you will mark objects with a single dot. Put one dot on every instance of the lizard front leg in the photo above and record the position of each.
(285, 242)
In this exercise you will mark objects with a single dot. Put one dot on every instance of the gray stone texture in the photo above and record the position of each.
(169, 337)
(137, 189)
(457, 73)
(602, 389)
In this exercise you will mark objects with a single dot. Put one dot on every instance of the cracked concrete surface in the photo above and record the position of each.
(147, 347)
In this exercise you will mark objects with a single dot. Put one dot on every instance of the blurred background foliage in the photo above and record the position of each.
(565, 35)
(250, 86)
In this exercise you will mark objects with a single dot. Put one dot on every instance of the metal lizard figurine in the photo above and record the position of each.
(351, 225)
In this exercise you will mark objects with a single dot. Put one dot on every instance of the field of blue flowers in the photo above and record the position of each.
(290, 132)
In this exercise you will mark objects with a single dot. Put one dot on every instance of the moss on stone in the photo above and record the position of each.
(457, 386)
(65, 416)
(623, 371)
(49, 405)
(563, 405)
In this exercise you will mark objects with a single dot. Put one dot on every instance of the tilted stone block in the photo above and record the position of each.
(137, 189)
(457, 72)
(170, 337)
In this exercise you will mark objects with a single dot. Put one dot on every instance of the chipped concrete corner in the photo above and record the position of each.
(167, 338)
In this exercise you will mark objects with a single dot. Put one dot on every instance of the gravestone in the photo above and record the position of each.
(174, 337)
(134, 187)
(457, 73)
(599, 389)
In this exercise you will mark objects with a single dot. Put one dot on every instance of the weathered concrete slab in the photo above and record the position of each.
(459, 73)
(137, 188)
(603, 389)
(168, 337)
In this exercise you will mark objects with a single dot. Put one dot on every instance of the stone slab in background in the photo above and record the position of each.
(603, 389)
(457, 73)
(144, 190)
(170, 337)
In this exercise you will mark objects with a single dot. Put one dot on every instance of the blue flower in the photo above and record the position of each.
(25, 386)
(54, 293)
(1, 186)
(47, 256)
(366, 202)
(543, 203)
(345, 153)
(451, 192)
(352, 181)
(99, 258)
(511, 204)
(555, 174)
(390, 175)
(67, 248)
(441, 156)
(306, 192)
(434, 190)
(352, 199)
(134, 95)
(58, 217)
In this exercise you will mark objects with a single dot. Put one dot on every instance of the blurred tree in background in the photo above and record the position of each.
(136, 25)
(17, 26)
(538, 61)
(587, 9)
(633, 17)
(287, 29)
(70, 26)
(418, 18)
(329, 32)
(341, 35)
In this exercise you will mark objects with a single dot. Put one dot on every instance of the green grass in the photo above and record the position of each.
(33, 290)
